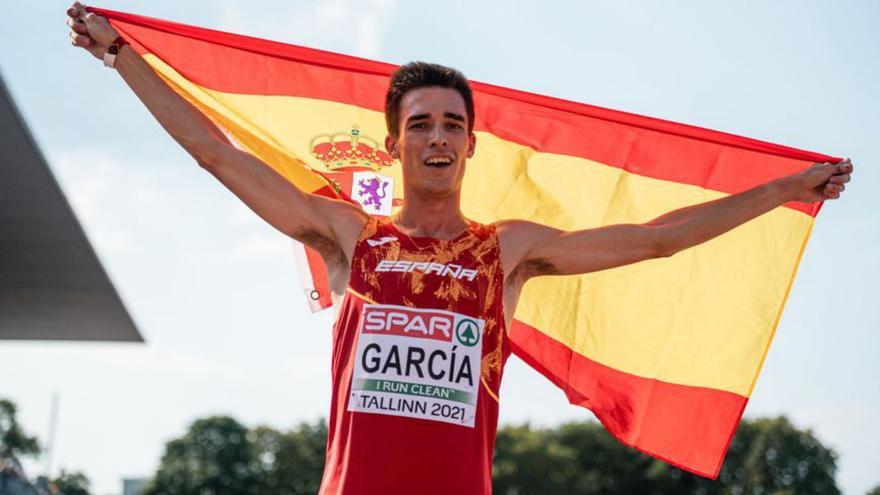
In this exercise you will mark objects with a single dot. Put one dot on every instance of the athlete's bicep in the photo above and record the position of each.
(544, 250)
(329, 226)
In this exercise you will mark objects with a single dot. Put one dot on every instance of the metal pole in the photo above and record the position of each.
(53, 424)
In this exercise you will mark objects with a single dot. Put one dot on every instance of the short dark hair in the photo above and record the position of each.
(415, 75)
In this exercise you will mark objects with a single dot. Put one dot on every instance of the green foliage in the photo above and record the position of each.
(290, 463)
(214, 457)
(220, 456)
(527, 461)
(874, 491)
(13, 441)
(75, 483)
(574, 458)
(770, 455)
(767, 456)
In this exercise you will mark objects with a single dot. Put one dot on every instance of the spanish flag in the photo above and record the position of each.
(664, 352)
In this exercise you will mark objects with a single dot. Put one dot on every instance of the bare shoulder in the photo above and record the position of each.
(517, 240)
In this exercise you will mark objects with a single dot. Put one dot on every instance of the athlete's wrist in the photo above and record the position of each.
(113, 50)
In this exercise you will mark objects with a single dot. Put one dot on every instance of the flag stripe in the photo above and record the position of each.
(641, 145)
(653, 416)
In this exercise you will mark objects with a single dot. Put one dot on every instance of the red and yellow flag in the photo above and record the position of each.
(664, 352)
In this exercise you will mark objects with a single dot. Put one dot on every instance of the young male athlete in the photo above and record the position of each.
(419, 348)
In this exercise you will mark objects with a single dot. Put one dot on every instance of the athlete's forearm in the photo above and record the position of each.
(186, 124)
(693, 225)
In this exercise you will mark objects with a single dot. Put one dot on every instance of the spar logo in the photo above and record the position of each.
(399, 320)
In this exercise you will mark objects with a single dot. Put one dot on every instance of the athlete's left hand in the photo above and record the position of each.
(821, 181)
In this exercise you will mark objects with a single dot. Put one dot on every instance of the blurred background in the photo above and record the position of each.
(230, 344)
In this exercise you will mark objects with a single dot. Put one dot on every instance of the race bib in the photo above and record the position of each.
(418, 363)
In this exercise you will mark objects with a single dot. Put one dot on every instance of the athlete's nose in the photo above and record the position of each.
(438, 138)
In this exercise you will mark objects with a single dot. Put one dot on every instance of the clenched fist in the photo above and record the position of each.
(821, 181)
(89, 30)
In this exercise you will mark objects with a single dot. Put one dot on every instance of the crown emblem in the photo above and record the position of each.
(342, 151)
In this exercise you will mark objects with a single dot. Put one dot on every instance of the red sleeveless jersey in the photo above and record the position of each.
(419, 346)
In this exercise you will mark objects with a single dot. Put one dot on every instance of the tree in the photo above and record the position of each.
(874, 491)
(74, 483)
(13, 440)
(529, 461)
(770, 455)
(214, 457)
(218, 455)
(767, 456)
(290, 463)
(14, 443)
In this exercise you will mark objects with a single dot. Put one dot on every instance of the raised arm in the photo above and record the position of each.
(530, 249)
(329, 226)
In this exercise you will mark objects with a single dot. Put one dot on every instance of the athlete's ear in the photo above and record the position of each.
(391, 146)
(472, 145)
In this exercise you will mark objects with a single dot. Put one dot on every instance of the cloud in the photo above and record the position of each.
(338, 25)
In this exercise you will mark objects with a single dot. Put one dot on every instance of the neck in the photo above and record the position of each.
(440, 218)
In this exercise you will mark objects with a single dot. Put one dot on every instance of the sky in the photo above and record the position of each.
(215, 291)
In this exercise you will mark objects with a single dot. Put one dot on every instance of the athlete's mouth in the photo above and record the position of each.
(438, 161)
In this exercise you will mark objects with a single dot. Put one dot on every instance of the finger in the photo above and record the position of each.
(92, 20)
(80, 40)
(834, 188)
(839, 179)
(829, 169)
(77, 26)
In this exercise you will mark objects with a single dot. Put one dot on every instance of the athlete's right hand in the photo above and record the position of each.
(89, 31)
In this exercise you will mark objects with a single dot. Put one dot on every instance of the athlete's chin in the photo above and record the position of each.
(439, 189)
(439, 183)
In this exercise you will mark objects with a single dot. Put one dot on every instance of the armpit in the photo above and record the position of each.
(535, 267)
(328, 248)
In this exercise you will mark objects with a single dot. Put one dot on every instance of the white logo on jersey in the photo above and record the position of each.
(452, 270)
(380, 241)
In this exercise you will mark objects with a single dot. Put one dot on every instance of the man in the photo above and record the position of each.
(424, 299)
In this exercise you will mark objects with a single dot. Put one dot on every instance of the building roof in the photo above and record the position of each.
(52, 284)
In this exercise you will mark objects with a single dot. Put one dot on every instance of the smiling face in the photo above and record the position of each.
(433, 141)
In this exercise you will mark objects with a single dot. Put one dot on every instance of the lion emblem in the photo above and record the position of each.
(373, 190)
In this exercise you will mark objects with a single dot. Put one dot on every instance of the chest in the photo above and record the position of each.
(440, 277)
